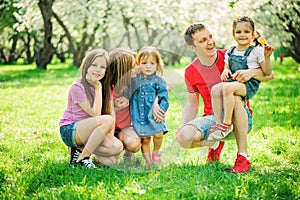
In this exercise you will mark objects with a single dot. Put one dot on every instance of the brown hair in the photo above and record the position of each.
(121, 62)
(242, 19)
(85, 65)
(190, 31)
(147, 51)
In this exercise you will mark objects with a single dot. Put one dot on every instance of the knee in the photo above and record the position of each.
(227, 89)
(133, 146)
(146, 140)
(183, 139)
(158, 136)
(216, 91)
(106, 121)
(118, 146)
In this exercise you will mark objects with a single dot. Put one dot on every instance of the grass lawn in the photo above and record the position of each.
(34, 160)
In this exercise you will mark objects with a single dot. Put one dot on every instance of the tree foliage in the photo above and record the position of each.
(74, 27)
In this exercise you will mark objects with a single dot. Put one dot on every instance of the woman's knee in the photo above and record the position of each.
(106, 121)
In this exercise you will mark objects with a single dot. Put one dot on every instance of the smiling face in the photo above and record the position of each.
(243, 34)
(204, 44)
(97, 69)
(148, 65)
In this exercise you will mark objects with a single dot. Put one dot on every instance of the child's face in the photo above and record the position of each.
(243, 33)
(98, 68)
(148, 65)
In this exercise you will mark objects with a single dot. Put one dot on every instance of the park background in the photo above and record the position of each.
(41, 46)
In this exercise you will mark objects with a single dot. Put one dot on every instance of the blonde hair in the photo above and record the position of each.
(147, 51)
(85, 65)
(121, 62)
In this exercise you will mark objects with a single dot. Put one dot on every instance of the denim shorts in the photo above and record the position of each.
(203, 124)
(68, 134)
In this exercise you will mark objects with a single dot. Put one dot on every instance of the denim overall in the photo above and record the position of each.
(237, 62)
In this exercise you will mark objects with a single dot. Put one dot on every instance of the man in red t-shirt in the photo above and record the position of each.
(200, 76)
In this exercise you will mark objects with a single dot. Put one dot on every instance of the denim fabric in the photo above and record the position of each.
(240, 62)
(144, 91)
(203, 124)
(68, 134)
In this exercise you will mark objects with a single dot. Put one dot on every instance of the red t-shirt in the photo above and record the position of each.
(123, 118)
(199, 78)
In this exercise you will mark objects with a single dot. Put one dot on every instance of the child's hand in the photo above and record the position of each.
(158, 113)
(226, 74)
(120, 103)
(268, 50)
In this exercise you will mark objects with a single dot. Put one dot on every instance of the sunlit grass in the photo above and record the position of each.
(34, 161)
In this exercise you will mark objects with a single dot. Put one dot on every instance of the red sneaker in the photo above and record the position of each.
(241, 164)
(214, 154)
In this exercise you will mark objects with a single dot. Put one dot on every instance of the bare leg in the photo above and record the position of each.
(107, 161)
(157, 142)
(240, 121)
(146, 150)
(130, 140)
(91, 132)
(110, 146)
(217, 101)
(229, 92)
(189, 136)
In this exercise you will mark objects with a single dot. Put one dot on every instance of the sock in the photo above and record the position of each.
(226, 124)
(215, 145)
(245, 155)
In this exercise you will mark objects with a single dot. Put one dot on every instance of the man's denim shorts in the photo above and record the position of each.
(68, 134)
(203, 124)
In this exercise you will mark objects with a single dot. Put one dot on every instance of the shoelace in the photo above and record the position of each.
(87, 162)
(75, 155)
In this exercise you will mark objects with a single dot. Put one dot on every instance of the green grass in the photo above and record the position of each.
(34, 161)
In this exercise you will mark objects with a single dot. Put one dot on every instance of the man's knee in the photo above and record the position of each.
(186, 136)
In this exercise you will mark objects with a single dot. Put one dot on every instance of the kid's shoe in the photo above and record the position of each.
(219, 131)
(241, 164)
(128, 157)
(87, 162)
(214, 154)
(74, 155)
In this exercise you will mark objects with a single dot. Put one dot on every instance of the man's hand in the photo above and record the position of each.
(242, 75)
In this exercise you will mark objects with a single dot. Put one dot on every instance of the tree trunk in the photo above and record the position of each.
(45, 53)
(294, 49)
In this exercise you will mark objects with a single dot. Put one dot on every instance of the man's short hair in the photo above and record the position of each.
(192, 29)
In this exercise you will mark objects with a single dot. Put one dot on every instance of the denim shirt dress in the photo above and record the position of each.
(142, 93)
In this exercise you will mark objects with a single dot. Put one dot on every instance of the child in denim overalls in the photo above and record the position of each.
(146, 88)
(240, 57)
